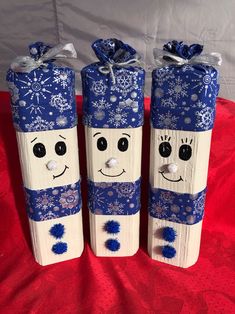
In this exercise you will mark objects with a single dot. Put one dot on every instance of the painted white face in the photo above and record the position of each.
(49, 158)
(113, 155)
(179, 160)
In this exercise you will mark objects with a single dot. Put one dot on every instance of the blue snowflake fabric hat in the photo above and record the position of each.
(113, 88)
(184, 90)
(44, 98)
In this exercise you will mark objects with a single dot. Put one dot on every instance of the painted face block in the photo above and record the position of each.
(113, 117)
(179, 160)
(114, 155)
(48, 158)
(44, 115)
(182, 118)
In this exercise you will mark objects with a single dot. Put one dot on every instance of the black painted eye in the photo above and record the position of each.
(102, 143)
(60, 148)
(39, 150)
(123, 144)
(185, 152)
(165, 149)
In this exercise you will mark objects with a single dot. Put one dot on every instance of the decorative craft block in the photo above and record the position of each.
(113, 116)
(44, 115)
(184, 90)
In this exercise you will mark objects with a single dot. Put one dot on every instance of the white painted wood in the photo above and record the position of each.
(35, 171)
(127, 167)
(186, 244)
(128, 236)
(193, 172)
(43, 241)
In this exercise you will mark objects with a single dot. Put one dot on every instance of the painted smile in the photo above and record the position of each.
(112, 176)
(178, 180)
(59, 175)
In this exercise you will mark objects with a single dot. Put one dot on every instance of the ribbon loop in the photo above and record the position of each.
(164, 58)
(26, 64)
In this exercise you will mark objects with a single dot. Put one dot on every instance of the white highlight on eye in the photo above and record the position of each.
(51, 165)
(172, 168)
(111, 163)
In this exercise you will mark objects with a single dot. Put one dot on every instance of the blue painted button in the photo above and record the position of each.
(169, 234)
(112, 245)
(112, 226)
(59, 248)
(168, 251)
(57, 231)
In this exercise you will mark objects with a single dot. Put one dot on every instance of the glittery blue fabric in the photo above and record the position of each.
(183, 97)
(43, 99)
(113, 105)
(54, 202)
(177, 207)
(117, 198)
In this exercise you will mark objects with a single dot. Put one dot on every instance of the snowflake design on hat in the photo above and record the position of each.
(178, 88)
(98, 87)
(117, 118)
(39, 124)
(168, 102)
(207, 82)
(61, 121)
(59, 102)
(115, 208)
(163, 75)
(126, 81)
(205, 118)
(101, 104)
(44, 201)
(62, 77)
(37, 87)
(35, 108)
(167, 121)
(14, 92)
(49, 215)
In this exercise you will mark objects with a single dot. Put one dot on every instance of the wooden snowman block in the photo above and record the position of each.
(182, 118)
(113, 118)
(44, 115)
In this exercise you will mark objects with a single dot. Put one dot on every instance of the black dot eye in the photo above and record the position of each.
(185, 152)
(102, 143)
(123, 144)
(60, 148)
(165, 149)
(39, 150)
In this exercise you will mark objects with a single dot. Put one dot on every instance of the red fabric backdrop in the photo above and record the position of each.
(120, 285)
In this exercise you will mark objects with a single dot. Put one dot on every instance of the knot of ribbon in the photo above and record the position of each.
(164, 58)
(108, 67)
(26, 64)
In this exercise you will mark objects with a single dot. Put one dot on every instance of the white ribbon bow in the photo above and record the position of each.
(108, 67)
(213, 58)
(26, 64)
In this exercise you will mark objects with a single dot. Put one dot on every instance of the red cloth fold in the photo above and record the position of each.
(120, 285)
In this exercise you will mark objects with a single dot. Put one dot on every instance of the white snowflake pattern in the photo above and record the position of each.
(39, 125)
(206, 82)
(49, 215)
(198, 204)
(163, 75)
(14, 92)
(35, 108)
(115, 208)
(158, 210)
(167, 197)
(199, 104)
(98, 87)
(36, 87)
(129, 104)
(61, 121)
(168, 102)
(99, 115)
(126, 81)
(101, 104)
(62, 77)
(44, 202)
(167, 121)
(59, 102)
(205, 118)
(96, 198)
(117, 118)
(175, 218)
(178, 88)
(125, 189)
